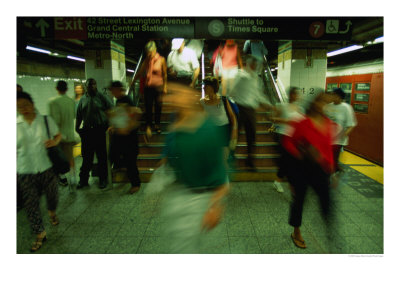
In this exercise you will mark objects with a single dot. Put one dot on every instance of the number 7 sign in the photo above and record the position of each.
(316, 29)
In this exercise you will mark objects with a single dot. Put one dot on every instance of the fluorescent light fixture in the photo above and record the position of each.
(378, 40)
(129, 70)
(38, 49)
(344, 50)
(76, 58)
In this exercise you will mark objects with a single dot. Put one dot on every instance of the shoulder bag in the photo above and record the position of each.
(56, 155)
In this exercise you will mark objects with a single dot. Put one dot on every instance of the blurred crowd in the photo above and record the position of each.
(193, 173)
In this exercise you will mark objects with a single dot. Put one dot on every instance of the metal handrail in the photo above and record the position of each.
(134, 74)
(276, 89)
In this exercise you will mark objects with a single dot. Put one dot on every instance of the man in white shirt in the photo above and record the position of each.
(182, 62)
(62, 110)
(341, 113)
(247, 92)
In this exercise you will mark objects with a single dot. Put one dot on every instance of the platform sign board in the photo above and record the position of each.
(331, 86)
(360, 108)
(119, 28)
(361, 97)
(363, 86)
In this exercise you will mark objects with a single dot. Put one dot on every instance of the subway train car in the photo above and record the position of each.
(363, 84)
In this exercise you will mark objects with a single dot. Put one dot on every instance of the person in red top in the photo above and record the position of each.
(154, 68)
(231, 61)
(312, 162)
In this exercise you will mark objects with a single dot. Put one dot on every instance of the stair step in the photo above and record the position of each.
(241, 174)
(241, 148)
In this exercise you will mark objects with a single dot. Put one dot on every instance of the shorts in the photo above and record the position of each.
(229, 73)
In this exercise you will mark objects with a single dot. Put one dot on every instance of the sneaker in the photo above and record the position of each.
(157, 129)
(278, 186)
(63, 181)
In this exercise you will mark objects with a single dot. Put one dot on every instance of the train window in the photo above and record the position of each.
(363, 86)
(331, 86)
(347, 88)
(360, 108)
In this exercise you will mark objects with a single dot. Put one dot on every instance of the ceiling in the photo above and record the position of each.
(364, 29)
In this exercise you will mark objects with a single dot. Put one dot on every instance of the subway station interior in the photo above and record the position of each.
(314, 54)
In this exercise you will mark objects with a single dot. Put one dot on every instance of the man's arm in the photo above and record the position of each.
(165, 75)
(239, 58)
(78, 116)
(195, 76)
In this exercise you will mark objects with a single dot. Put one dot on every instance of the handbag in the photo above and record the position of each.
(56, 155)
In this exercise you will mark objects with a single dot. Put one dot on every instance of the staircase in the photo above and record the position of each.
(266, 152)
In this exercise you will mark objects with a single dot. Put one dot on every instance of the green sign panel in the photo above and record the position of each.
(361, 108)
(361, 97)
(363, 86)
(331, 86)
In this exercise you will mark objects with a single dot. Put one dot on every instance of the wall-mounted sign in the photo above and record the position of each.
(119, 28)
(361, 97)
(331, 86)
(346, 87)
(360, 108)
(363, 86)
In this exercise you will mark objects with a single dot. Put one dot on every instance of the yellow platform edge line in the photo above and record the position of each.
(372, 171)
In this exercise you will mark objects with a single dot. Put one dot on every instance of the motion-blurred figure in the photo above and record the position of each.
(341, 113)
(35, 174)
(124, 119)
(79, 91)
(182, 63)
(155, 70)
(91, 124)
(247, 92)
(219, 109)
(311, 163)
(231, 62)
(19, 88)
(284, 114)
(193, 203)
(257, 49)
(62, 110)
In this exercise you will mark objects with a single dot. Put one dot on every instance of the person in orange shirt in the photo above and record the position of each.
(155, 68)
(231, 61)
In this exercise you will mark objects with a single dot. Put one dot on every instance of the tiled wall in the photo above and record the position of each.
(292, 71)
(43, 88)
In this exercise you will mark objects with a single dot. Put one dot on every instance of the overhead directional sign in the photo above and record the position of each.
(119, 28)
(43, 25)
(274, 28)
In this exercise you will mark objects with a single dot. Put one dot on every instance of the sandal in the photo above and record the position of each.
(38, 243)
(54, 220)
(299, 243)
(157, 129)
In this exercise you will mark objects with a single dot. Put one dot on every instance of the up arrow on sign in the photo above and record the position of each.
(43, 25)
(348, 23)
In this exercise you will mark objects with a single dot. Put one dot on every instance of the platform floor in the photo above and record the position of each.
(110, 221)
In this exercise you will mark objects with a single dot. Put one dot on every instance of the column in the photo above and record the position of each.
(302, 65)
(105, 62)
